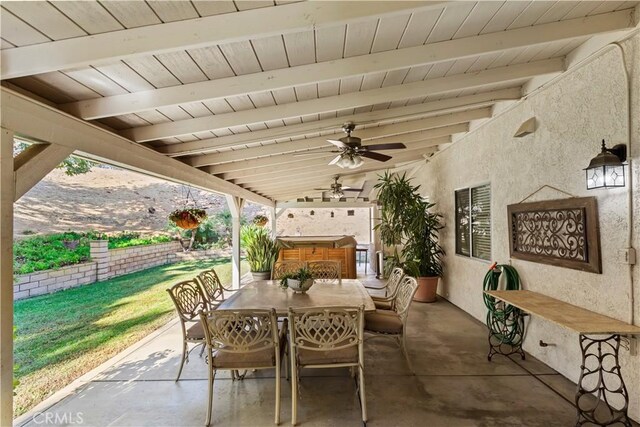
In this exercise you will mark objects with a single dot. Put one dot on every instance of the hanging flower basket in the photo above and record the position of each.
(260, 220)
(188, 219)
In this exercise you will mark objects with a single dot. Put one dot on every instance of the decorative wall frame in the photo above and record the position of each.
(564, 233)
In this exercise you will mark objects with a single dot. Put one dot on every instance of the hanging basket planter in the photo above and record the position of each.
(260, 220)
(188, 219)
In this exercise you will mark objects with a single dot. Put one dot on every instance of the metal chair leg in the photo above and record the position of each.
(212, 376)
(184, 357)
(363, 398)
(277, 420)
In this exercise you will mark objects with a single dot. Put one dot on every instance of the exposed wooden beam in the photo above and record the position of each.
(282, 159)
(512, 73)
(326, 205)
(343, 68)
(412, 111)
(310, 166)
(34, 163)
(6, 276)
(195, 33)
(33, 120)
(321, 142)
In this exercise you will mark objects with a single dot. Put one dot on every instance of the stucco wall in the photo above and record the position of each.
(574, 113)
(322, 224)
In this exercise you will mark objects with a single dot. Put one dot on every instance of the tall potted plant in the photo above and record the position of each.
(407, 223)
(261, 250)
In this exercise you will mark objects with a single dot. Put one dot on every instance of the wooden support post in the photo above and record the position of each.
(35, 163)
(235, 206)
(6, 277)
(274, 221)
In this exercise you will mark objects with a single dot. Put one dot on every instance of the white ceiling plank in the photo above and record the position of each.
(365, 134)
(414, 111)
(188, 34)
(272, 80)
(132, 14)
(262, 99)
(284, 96)
(44, 90)
(89, 15)
(218, 106)
(330, 42)
(122, 74)
(329, 88)
(241, 57)
(584, 8)
(31, 119)
(240, 103)
(153, 71)
(181, 65)
(449, 22)
(531, 14)
(153, 116)
(18, 32)
(170, 11)
(208, 160)
(270, 52)
(96, 81)
(175, 113)
(68, 85)
(301, 49)
(352, 100)
(481, 14)
(45, 18)
(5, 44)
(557, 11)
(390, 31)
(359, 38)
(212, 62)
(253, 4)
(607, 6)
(351, 84)
(509, 11)
(196, 109)
(218, 7)
(419, 27)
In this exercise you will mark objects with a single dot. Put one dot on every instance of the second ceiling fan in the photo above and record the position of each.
(350, 149)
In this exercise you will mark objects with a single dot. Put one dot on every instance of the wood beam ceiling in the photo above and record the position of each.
(194, 33)
(513, 73)
(343, 68)
(412, 111)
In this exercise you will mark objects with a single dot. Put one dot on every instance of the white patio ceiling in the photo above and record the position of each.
(236, 89)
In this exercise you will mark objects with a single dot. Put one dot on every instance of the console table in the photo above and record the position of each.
(600, 363)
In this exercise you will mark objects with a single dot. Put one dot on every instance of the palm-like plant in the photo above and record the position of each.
(261, 250)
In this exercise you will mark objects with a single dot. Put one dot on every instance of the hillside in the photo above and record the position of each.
(108, 200)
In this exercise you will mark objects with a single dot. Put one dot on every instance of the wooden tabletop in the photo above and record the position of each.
(267, 294)
(570, 316)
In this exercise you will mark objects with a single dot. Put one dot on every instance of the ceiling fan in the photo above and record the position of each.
(337, 190)
(351, 151)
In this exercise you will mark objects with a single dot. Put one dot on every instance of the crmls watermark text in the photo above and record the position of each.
(58, 418)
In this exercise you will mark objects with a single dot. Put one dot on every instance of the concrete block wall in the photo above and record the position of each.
(105, 264)
(48, 281)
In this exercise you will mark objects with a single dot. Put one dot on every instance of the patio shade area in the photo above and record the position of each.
(450, 382)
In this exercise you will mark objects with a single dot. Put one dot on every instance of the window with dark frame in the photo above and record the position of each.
(473, 222)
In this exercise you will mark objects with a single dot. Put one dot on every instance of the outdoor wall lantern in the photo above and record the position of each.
(606, 170)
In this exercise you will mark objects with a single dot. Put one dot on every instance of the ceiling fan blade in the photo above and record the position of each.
(391, 146)
(335, 160)
(375, 156)
(352, 189)
(337, 143)
(322, 189)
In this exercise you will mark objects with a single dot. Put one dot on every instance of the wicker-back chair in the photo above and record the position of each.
(326, 271)
(211, 288)
(326, 337)
(242, 339)
(189, 301)
(281, 268)
(393, 322)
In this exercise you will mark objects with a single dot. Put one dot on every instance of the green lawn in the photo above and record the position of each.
(66, 334)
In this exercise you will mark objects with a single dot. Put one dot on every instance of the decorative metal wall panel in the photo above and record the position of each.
(557, 232)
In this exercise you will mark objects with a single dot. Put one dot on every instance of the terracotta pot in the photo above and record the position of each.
(427, 288)
(187, 223)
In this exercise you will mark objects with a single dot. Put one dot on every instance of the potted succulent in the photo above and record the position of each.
(188, 218)
(261, 250)
(300, 281)
(408, 223)
(260, 220)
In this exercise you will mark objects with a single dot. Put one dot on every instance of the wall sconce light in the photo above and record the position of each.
(312, 213)
(606, 170)
(290, 215)
(332, 214)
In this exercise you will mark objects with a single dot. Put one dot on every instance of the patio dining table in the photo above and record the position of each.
(266, 294)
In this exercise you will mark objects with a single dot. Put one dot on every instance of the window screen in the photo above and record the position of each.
(473, 222)
(462, 222)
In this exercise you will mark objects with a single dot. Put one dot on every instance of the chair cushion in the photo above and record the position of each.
(195, 332)
(256, 359)
(383, 321)
(328, 357)
(383, 305)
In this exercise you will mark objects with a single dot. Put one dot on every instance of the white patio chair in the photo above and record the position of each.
(326, 271)
(390, 290)
(281, 268)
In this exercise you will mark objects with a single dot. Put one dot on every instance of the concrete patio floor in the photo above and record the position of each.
(452, 384)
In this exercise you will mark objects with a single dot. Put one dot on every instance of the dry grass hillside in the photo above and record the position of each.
(108, 200)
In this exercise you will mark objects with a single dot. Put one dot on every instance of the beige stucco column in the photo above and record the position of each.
(235, 206)
(7, 189)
